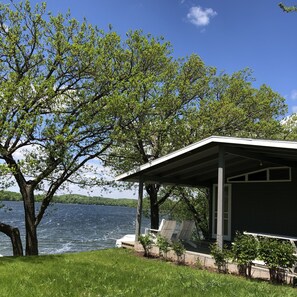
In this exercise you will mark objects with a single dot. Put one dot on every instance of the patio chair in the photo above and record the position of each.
(185, 232)
(165, 229)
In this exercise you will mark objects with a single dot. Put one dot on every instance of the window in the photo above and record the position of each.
(279, 174)
(272, 174)
(257, 176)
(227, 212)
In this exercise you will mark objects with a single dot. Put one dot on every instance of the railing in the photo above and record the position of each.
(291, 272)
(292, 240)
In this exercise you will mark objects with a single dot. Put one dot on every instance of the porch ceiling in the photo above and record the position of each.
(196, 165)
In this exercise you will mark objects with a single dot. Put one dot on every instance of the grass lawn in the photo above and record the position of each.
(118, 272)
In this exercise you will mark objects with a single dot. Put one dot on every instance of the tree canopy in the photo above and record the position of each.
(72, 94)
(55, 115)
(62, 83)
(192, 103)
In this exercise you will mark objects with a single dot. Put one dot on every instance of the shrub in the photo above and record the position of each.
(198, 263)
(146, 242)
(244, 251)
(220, 256)
(179, 250)
(163, 245)
(278, 256)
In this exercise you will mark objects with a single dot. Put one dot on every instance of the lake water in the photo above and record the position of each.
(71, 227)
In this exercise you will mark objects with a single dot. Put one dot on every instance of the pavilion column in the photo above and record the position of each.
(220, 213)
(139, 211)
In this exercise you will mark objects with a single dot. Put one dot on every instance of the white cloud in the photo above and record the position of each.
(294, 95)
(199, 16)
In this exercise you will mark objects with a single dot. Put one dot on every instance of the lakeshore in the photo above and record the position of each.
(74, 199)
(68, 228)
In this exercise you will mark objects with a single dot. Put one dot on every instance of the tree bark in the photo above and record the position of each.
(152, 190)
(154, 216)
(30, 219)
(15, 238)
(27, 192)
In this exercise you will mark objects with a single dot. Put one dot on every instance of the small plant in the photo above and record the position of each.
(244, 251)
(146, 242)
(278, 256)
(163, 245)
(199, 264)
(179, 250)
(220, 256)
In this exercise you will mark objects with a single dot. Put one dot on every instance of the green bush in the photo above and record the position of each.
(244, 251)
(199, 264)
(278, 256)
(220, 256)
(163, 245)
(179, 250)
(146, 242)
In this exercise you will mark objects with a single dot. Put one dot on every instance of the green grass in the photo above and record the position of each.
(118, 272)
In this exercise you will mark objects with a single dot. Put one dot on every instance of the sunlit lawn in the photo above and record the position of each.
(118, 272)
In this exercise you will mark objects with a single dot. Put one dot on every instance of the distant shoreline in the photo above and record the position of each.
(74, 199)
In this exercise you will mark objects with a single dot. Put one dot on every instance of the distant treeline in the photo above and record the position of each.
(73, 198)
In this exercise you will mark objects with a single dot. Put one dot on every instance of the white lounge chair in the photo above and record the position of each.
(166, 229)
(185, 232)
(128, 238)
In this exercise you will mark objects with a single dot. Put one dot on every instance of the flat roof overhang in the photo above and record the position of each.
(197, 164)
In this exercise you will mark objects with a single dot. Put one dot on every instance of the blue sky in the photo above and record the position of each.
(227, 34)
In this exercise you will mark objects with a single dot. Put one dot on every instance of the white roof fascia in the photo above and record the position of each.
(212, 139)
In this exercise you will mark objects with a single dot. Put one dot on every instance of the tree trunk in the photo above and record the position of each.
(154, 215)
(27, 192)
(152, 190)
(30, 219)
(31, 238)
(15, 238)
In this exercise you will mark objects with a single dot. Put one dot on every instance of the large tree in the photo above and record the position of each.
(184, 102)
(156, 102)
(61, 82)
(234, 107)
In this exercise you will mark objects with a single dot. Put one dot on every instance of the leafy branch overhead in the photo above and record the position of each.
(286, 8)
(64, 88)
(51, 92)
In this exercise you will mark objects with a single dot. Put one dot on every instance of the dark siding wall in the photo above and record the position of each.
(265, 207)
